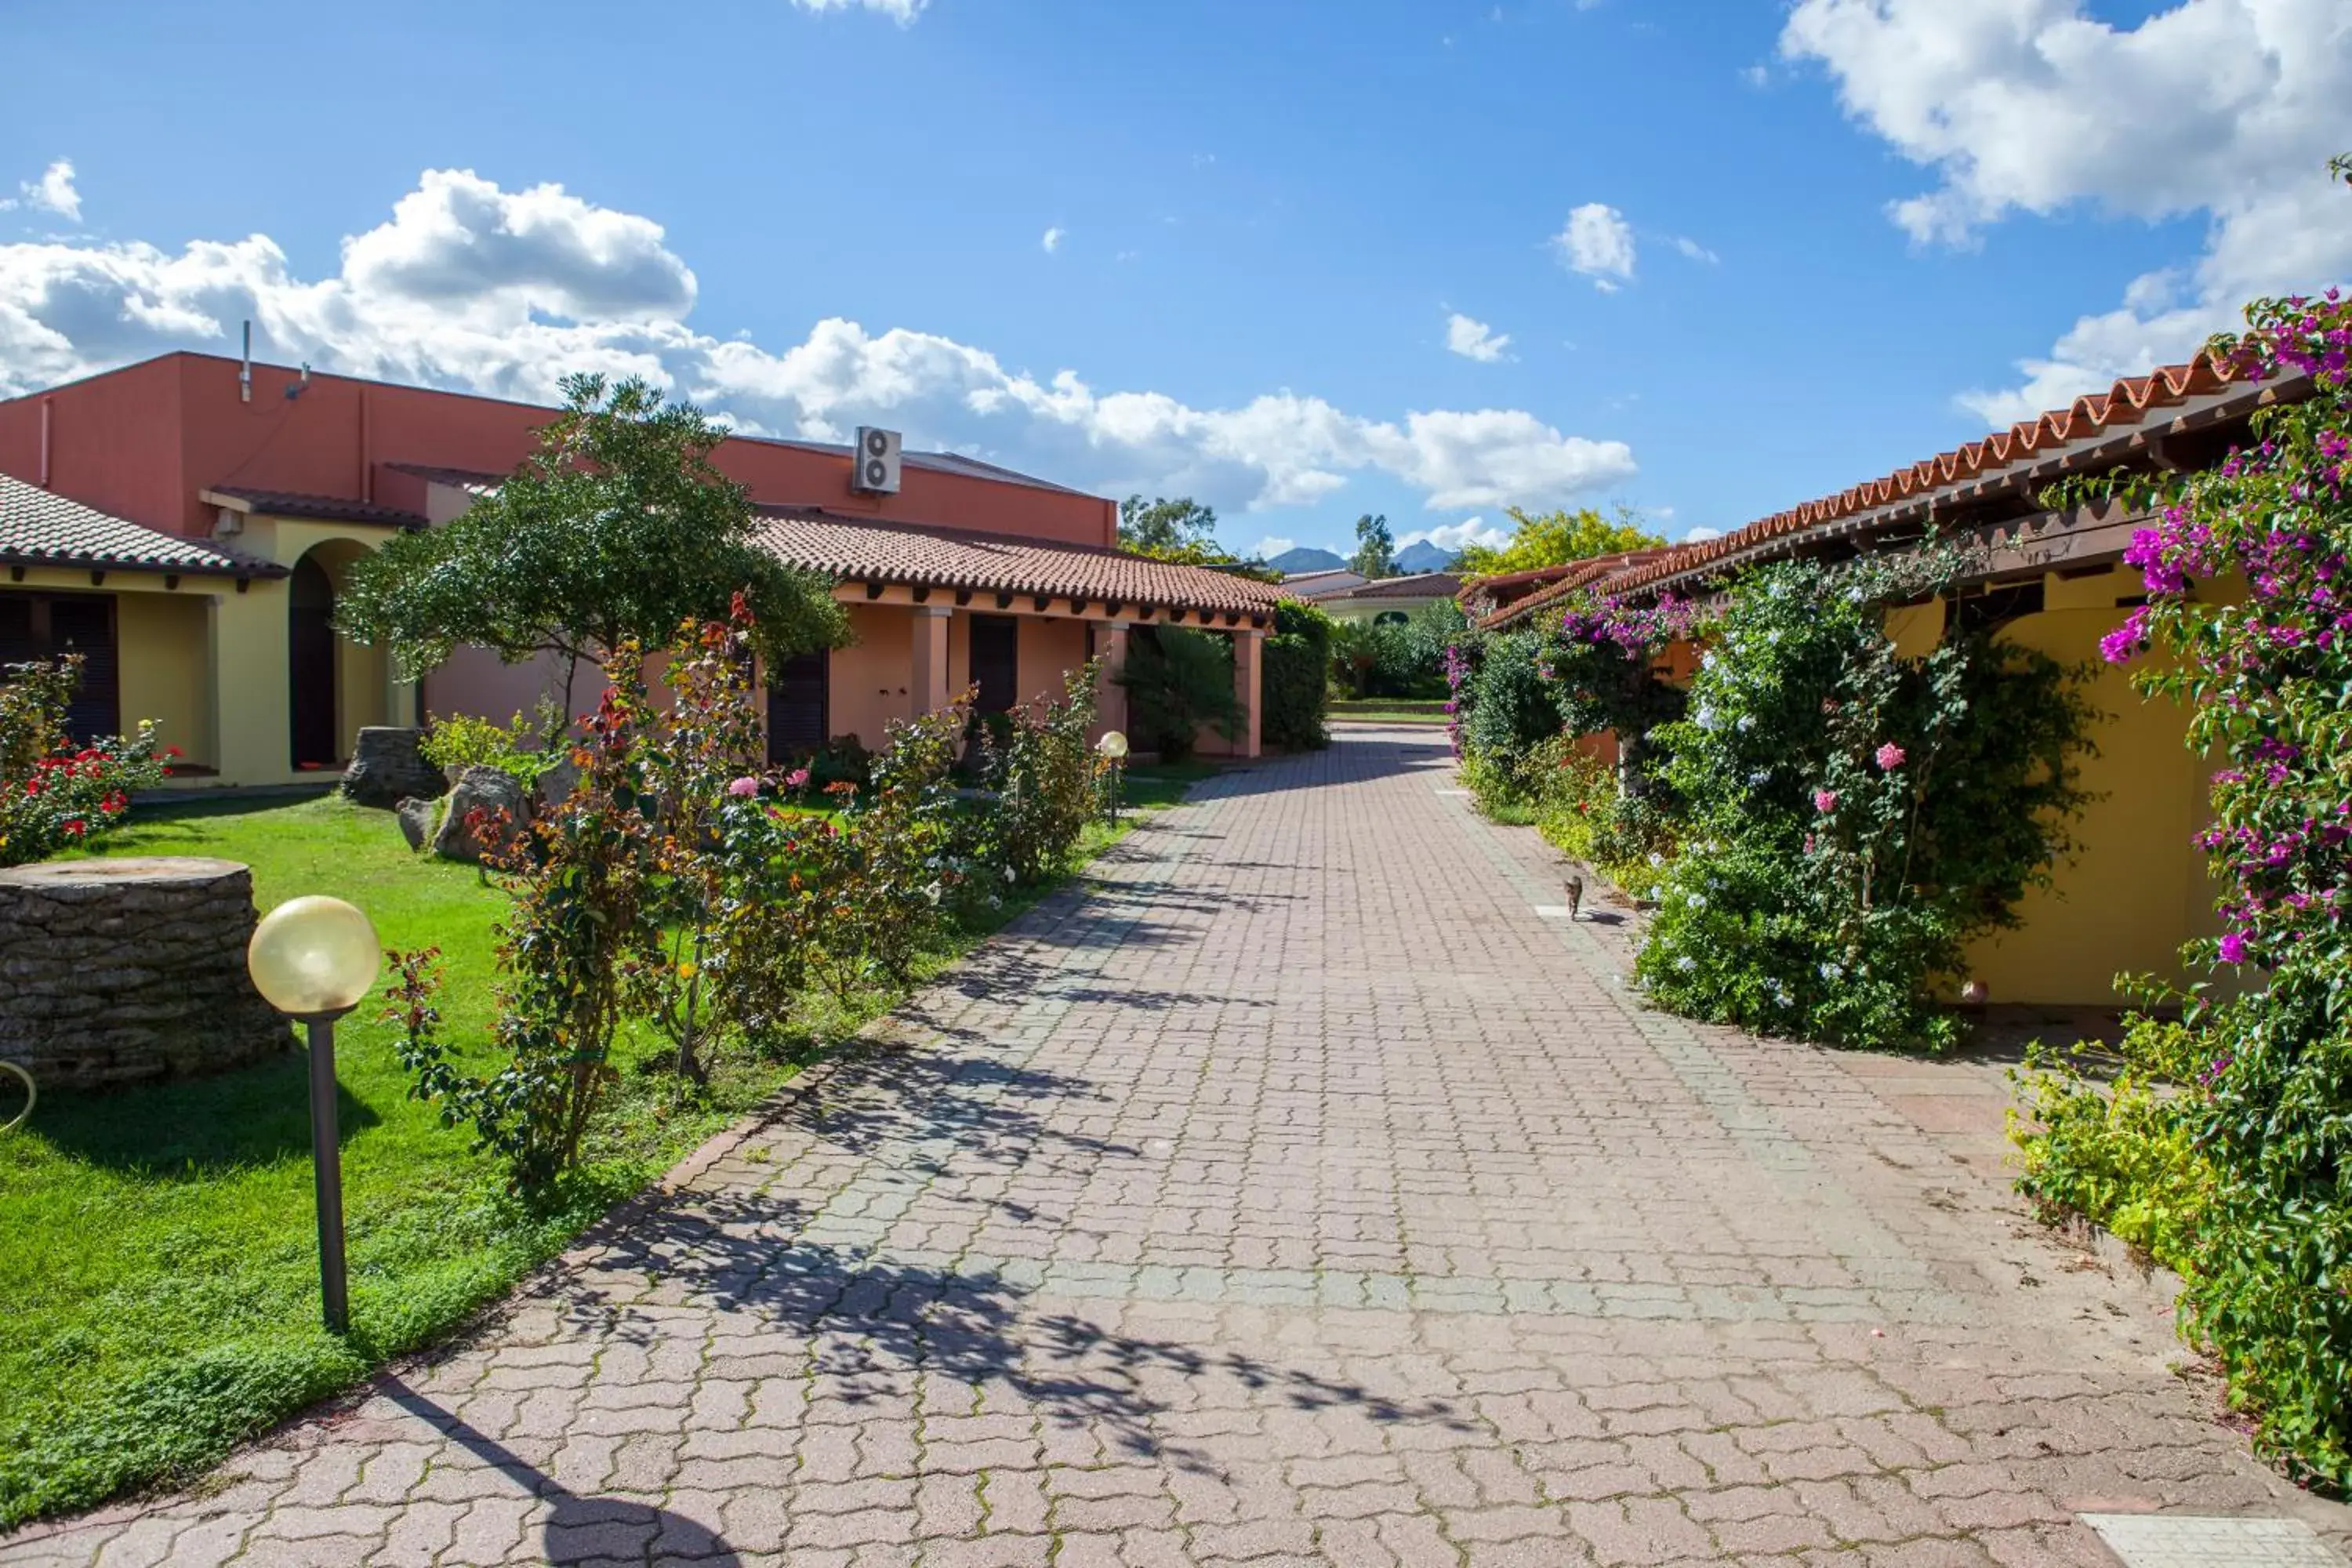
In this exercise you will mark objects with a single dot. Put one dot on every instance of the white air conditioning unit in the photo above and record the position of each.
(876, 461)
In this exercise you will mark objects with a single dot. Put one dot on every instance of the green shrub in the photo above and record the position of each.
(1042, 777)
(1512, 708)
(1176, 681)
(1295, 692)
(2122, 1153)
(456, 741)
(1855, 818)
(1583, 813)
(1397, 659)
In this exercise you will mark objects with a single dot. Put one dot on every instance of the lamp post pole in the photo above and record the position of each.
(1112, 750)
(327, 1170)
(314, 959)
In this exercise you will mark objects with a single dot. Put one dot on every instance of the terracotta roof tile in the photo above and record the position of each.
(858, 549)
(2130, 401)
(1420, 585)
(41, 528)
(1577, 574)
(297, 503)
(1532, 574)
(461, 478)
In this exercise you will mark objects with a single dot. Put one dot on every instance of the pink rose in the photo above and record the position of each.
(745, 785)
(797, 779)
(1890, 757)
(1825, 800)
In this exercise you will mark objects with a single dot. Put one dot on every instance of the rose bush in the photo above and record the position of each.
(57, 793)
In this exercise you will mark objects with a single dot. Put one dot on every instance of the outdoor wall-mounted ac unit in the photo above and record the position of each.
(876, 461)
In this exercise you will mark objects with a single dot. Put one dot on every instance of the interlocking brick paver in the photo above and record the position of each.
(1293, 1191)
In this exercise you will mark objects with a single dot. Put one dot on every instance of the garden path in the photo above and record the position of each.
(1299, 1192)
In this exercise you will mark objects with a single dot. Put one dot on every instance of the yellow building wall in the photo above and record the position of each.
(165, 674)
(2138, 889)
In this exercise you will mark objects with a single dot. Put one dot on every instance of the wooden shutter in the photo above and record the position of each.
(797, 716)
(996, 661)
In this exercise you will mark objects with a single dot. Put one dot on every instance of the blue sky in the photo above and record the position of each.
(1743, 254)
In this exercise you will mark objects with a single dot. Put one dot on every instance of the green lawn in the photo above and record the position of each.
(1390, 710)
(158, 1272)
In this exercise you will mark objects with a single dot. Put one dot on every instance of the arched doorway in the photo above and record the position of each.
(311, 666)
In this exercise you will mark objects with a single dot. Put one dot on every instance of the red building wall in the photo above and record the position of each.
(140, 442)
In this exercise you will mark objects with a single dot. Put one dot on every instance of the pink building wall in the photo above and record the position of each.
(141, 441)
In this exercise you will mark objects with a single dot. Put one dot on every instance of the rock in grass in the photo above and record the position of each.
(482, 799)
(416, 819)
(388, 766)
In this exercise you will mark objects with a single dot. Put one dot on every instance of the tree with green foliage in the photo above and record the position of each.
(1375, 548)
(617, 531)
(1180, 528)
(1556, 538)
(1177, 681)
(1184, 531)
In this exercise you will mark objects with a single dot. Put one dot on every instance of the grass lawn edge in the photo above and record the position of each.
(469, 1327)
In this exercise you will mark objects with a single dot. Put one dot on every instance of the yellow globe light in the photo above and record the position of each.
(313, 956)
(1112, 746)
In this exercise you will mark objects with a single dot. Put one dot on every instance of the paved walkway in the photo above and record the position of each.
(1302, 1195)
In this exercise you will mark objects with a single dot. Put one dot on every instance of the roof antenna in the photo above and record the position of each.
(244, 369)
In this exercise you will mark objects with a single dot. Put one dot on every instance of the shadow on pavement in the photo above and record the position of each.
(579, 1529)
(870, 1326)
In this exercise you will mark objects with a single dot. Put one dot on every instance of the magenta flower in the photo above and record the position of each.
(743, 786)
(797, 779)
(1825, 800)
(2233, 948)
(1890, 757)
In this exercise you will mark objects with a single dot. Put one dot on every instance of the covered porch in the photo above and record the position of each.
(933, 611)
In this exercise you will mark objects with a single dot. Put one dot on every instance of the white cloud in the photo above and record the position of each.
(1599, 243)
(2227, 108)
(1699, 535)
(1053, 240)
(1755, 75)
(1695, 251)
(54, 192)
(1458, 536)
(470, 286)
(1474, 340)
(1269, 547)
(903, 12)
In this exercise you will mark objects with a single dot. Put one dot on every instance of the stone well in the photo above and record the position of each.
(119, 969)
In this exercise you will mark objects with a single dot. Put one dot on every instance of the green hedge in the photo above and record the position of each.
(1294, 691)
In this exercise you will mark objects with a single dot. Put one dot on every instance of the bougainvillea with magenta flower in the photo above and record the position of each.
(1603, 662)
(2263, 1112)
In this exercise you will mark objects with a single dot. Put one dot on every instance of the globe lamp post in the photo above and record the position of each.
(312, 959)
(1112, 750)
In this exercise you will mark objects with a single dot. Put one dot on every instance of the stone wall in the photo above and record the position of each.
(115, 970)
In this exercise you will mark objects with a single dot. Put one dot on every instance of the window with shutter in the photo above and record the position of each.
(49, 626)
(996, 661)
(797, 716)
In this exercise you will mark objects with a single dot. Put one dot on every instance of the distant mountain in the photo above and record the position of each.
(1424, 556)
(1307, 558)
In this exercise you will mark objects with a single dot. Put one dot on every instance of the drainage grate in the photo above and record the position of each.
(2176, 1540)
